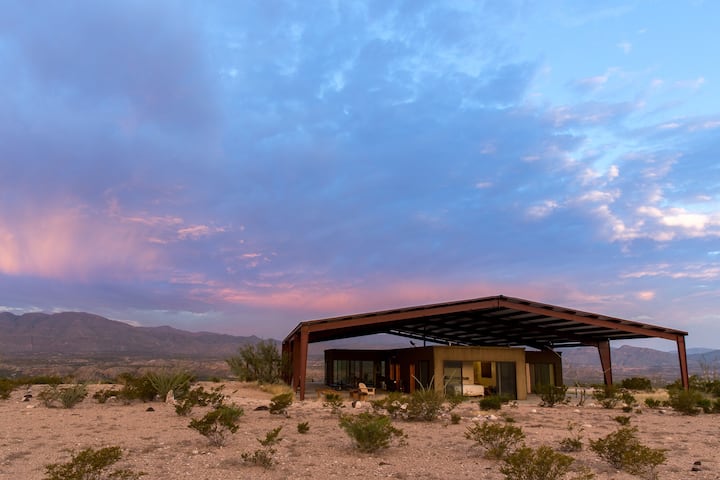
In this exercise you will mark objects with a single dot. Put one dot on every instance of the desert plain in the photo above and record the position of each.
(159, 443)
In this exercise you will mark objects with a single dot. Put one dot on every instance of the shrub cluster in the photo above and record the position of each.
(199, 397)
(637, 383)
(260, 362)
(280, 403)
(218, 423)
(623, 450)
(166, 381)
(90, 464)
(498, 439)
(370, 432)
(334, 401)
(552, 394)
(607, 395)
(67, 397)
(491, 402)
(424, 404)
(265, 456)
(574, 442)
(542, 463)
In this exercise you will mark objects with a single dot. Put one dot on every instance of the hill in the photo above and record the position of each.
(84, 334)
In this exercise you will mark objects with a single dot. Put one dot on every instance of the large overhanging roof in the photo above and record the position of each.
(487, 321)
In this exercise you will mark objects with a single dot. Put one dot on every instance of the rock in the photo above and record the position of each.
(170, 398)
(357, 404)
(262, 408)
(149, 409)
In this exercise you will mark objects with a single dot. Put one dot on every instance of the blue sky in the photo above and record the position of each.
(242, 166)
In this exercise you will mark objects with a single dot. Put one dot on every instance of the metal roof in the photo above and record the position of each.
(487, 321)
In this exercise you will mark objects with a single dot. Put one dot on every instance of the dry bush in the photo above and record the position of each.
(499, 440)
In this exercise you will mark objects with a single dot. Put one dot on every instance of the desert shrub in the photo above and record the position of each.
(623, 450)
(67, 397)
(652, 402)
(497, 439)
(685, 401)
(217, 423)
(628, 400)
(453, 400)
(6, 388)
(303, 427)
(370, 432)
(165, 381)
(607, 395)
(334, 401)
(424, 404)
(136, 387)
(89, 464)
(622, 420)
(264, 457)
(491, 402)
(103, 395)
(199, 397)
(279, 404)
(72, 395)
(260, 362)
(637, 383)
(705, 404)
(552, 394)
(542, 463)
(394, 403)
(574, 442)
(455, 418)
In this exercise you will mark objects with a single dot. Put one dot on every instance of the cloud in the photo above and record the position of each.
(67, 241)
(625, 46)
(691, 84)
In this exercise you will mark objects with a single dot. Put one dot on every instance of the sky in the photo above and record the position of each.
(241, 166)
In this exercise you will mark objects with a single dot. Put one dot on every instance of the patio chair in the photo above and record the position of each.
(365, 390)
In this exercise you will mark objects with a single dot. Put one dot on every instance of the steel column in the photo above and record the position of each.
(605, 361)
(682, 355)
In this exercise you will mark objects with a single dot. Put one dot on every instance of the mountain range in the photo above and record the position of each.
(79, 333)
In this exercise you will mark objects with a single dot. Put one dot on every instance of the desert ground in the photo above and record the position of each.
(160, 444)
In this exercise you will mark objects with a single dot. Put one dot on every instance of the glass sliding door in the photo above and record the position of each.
(452, 377)
(506, 379)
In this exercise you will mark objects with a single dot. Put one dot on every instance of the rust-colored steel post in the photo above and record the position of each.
(605, 361)
(682, 356)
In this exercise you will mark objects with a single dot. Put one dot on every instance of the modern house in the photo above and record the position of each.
(493, 344)
(473, 371)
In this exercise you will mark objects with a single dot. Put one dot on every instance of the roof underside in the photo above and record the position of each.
(488, 321)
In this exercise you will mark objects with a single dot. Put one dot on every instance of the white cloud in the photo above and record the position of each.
(691, 84)
(543, 210)
(625, 46)
(613, 172)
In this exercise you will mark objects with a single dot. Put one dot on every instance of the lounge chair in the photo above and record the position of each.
(364, 390)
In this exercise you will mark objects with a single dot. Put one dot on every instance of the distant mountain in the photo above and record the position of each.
(78, 333)
(629, 361)
(699, 350)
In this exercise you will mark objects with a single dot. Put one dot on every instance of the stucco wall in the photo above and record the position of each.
(469, 355)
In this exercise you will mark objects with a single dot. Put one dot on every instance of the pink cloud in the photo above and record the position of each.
(64, 242)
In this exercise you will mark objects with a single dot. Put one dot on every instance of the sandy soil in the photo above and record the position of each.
(160, 443)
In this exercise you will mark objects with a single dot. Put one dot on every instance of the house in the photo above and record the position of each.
(503, 343)
(509, 371)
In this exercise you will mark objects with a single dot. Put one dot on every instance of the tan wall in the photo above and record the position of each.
(468, 355)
